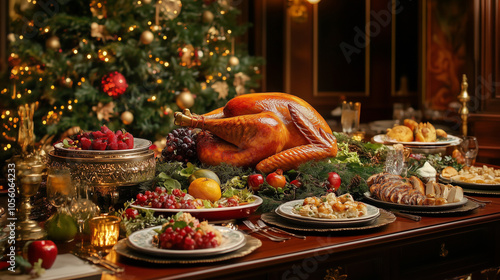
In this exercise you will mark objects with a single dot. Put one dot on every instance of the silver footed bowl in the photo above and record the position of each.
(106, 168)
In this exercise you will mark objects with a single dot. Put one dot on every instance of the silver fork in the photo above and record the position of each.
(257, 230)
(264, 226)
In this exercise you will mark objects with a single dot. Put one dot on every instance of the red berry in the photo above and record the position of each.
(105, 129)
(129, 140)
(131, 213)
(122, 146)
(86, 143)
(99, 145)
(97, 134)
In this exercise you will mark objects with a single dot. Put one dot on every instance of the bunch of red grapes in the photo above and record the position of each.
(181, 146)
(189, 237)
(160, 198)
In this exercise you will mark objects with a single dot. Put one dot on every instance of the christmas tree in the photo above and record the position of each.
(123, 63)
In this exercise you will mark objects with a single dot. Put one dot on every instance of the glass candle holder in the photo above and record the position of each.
(104, 232)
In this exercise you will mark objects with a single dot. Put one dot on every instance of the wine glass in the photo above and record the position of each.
(469, 148)
(60, 188)
(83, 209)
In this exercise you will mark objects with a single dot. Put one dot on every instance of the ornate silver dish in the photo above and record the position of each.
(107, 168)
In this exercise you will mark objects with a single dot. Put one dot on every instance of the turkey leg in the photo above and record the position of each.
(241, 140)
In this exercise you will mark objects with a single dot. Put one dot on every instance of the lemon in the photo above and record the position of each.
(61, 227)
(205, 188)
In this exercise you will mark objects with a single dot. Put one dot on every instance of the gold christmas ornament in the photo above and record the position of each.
(222, 88)
(185, 100)
(53, 43)
(104, 112)
(127, 117)
(207, 16)
(170, 8)
(146, 1)
(147, 37)
(233, 61)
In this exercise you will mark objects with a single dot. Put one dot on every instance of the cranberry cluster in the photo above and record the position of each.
(189, 237)
(104, 139)
(160, 198)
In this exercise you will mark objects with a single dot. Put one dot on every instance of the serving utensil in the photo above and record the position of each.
(263, 225)
(412, 217)
(98, 260)
(254, 229)
(481, 203)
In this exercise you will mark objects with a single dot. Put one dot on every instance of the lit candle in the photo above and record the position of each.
(104, 232)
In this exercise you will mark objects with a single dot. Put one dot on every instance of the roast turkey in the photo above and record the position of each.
(267, 131)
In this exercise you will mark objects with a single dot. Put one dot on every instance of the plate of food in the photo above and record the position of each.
(242, 210)
(473, 177)
(449, 140)
(415, 134)
(388, 204)
(328, 210)
(393, 191)
(194, 239)
(103, 142)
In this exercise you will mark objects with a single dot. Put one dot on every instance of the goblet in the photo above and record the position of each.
(29, 179)
(60, 189)
(83, 209)
(469, 148)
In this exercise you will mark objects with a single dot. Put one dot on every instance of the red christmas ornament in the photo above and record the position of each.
(114, 84)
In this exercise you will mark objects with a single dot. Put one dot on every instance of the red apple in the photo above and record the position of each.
(296, 183)
(255, 181)
(334, 181)
(42, 249)
(276, 179)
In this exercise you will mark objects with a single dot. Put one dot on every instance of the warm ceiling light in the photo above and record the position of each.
(313, 1)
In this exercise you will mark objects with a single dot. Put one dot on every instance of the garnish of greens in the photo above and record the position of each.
(146, 219)
(355, 162)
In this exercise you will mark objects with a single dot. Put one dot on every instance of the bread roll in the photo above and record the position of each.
(449, 172)
(400, 133)
(441, 133)
(411, 124)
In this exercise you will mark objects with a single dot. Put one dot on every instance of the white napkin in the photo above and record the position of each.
(66, 266)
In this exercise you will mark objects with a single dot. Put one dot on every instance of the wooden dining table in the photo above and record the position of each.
(441, 246)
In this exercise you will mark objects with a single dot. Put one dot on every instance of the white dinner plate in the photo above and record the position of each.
(450, 140)
(142, 241)
(286, 210)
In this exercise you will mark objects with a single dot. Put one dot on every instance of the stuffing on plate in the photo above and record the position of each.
(331, 207)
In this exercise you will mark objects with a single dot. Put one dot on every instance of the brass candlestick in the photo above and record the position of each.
(29, 176)
(464, 98)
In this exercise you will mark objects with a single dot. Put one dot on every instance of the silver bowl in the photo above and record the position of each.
(106, 168)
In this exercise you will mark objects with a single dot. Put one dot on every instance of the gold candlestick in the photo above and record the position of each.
(464, 98)
(29, 179)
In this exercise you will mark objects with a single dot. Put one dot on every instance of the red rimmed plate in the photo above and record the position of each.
(213, 214)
